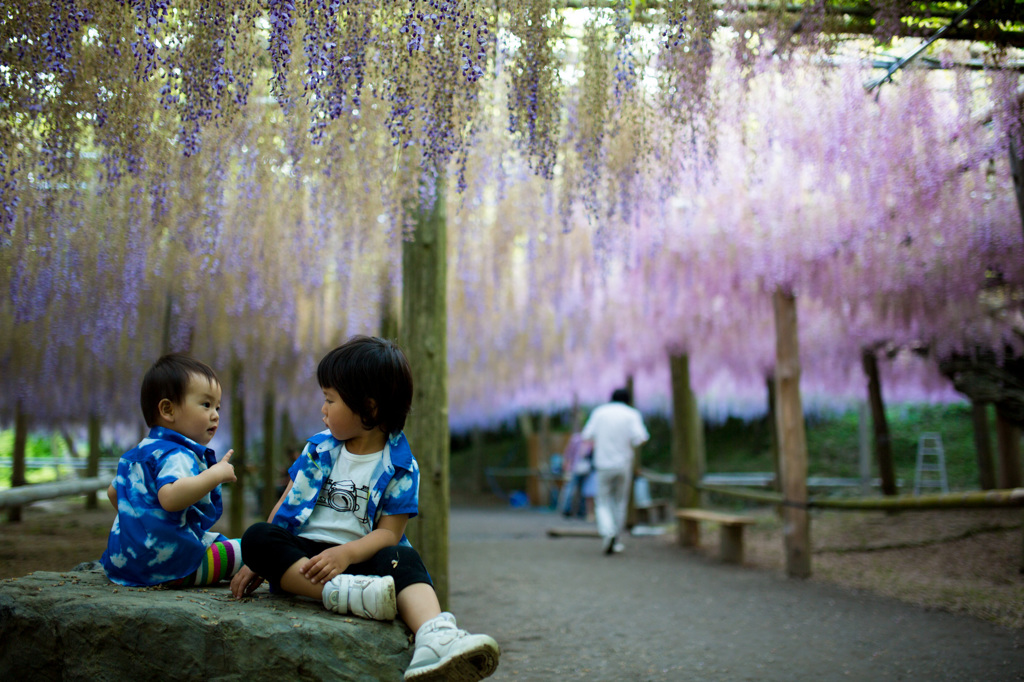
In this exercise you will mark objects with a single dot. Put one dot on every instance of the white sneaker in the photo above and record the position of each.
(366, 596)
(444, 652)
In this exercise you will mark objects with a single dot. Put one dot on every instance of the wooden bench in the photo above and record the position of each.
(731, 545)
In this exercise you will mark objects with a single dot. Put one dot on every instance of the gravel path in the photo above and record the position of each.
(561, 610)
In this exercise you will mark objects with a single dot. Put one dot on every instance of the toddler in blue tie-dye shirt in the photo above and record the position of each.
(167, 488)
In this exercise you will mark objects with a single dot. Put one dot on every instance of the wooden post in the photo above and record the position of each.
(533, 465)
(18, 457)
(287, 435)
(390, 321)
(92, 464)
(864, 451)
(1008, 441)
(542, 466)
(424, 334)
(238, 517)
(687, 434)
(476, 453)
(529, 436)
(792, 437)
(983, 446)
(883, 444)
(268, 493)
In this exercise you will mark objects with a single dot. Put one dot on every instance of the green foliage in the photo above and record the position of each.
(833, 443)
(47, 447)
(746, 446)
(36, 446)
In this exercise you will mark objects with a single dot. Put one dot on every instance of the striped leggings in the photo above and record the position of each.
(221, 561)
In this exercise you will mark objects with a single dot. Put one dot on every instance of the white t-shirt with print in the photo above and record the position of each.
(339, 515)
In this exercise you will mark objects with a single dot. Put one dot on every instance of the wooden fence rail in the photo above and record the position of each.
(973, 499)
(15, 497)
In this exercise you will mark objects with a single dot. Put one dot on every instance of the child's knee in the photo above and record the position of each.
(257, 536)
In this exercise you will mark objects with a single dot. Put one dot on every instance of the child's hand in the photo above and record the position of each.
(325, 565)
(245, 582)
(225, 469)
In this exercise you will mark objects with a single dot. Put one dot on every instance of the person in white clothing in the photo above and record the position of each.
(615, 429)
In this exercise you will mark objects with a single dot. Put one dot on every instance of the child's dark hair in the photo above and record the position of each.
(168, 378)
(373, 378)
(622, 395)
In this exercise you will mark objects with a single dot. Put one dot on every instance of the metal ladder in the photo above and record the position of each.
(931, 460)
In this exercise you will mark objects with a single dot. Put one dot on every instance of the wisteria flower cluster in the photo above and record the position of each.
(534, 96)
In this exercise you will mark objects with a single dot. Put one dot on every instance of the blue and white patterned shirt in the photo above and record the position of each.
(149, 545)
(394, 484)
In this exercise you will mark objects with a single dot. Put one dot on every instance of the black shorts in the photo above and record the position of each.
(270, 550)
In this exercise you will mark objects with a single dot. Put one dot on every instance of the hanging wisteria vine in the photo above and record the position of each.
(233, 177)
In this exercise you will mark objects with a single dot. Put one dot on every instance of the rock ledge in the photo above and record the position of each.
(77, 625)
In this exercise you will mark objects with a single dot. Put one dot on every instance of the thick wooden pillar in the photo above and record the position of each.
(687, 434)
(983, 446)
(883, 444)
(92, 464)
(1008, 438)
(424, 339)
(792, 437)
(237, 518)
(18, 457)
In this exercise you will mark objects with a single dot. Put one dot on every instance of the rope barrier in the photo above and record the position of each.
(1011, 497)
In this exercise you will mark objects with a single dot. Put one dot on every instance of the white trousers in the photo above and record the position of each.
(611, 501)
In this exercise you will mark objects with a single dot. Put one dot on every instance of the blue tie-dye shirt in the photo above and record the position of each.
(394, 484)
(148, 545)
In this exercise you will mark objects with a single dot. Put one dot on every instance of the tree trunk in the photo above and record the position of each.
(238, 516)
(424, 334)
(983, 446)
(792, 437)
(268, 492)
(883, 445)
(92, 464)
(18, 457)
(1008, 437)
(687, 459)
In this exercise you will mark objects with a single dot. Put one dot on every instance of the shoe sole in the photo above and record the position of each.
(390, 604)
(469, 666)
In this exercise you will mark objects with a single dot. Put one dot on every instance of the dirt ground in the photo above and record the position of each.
(917, 595)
